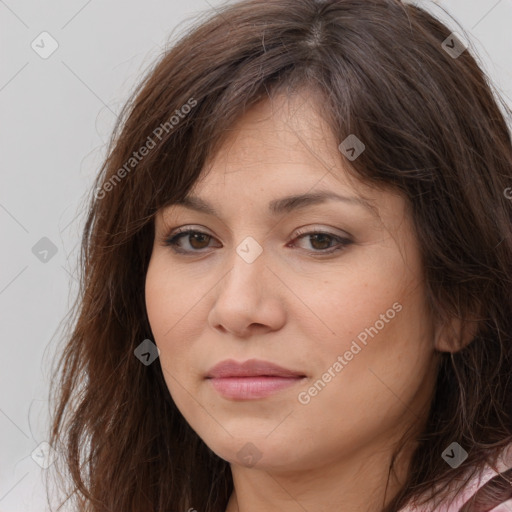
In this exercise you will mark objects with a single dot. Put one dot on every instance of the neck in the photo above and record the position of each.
(358, 482)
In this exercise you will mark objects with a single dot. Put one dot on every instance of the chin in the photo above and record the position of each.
(258, 452)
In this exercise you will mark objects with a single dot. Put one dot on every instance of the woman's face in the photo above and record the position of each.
(330, 289)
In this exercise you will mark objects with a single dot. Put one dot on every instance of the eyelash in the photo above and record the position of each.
(171, 241)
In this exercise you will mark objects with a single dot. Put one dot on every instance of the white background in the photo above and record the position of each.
(56, 117)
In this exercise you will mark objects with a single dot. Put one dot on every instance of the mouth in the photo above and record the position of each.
(251, 379)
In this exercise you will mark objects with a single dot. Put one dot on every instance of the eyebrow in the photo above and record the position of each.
(282, 205)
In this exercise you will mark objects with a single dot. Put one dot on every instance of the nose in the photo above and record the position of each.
(248, 299)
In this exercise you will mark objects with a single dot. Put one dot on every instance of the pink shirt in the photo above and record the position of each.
(504, 463)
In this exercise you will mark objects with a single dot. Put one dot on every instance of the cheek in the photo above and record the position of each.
(164, 311)
(160, 305)
(338, 304)
(170, 297)
(376, 319)
(167, 304)
(380, 384)
(176, 307)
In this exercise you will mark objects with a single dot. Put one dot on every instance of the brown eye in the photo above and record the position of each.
(321, 241)
(188, 241)
(324, 243)
(197, 240)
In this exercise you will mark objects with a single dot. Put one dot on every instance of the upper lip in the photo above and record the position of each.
(250, 368)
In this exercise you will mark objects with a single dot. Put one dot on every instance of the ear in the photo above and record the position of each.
(455, 334)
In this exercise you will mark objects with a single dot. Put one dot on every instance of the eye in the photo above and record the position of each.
(321, 241)
(188, 241)
(193, 239)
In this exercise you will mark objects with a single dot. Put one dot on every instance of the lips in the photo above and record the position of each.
(250, 368)
(250, 380)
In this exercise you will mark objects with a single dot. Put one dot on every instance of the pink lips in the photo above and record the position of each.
(252, 379)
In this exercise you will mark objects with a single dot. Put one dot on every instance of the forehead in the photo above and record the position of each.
(283, 129)
(282, 147)
(282, 142)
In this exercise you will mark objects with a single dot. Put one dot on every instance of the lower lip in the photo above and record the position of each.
(249, 388)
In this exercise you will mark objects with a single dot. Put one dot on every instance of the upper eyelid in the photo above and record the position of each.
(301, 231)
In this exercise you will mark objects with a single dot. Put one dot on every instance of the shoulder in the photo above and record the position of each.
(454, 502)
(506, 506)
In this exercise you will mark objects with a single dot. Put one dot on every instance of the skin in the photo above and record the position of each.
(299, 310)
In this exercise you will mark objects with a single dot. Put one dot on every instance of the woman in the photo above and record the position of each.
(297, 275)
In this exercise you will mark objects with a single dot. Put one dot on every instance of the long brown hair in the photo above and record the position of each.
(434, 129)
